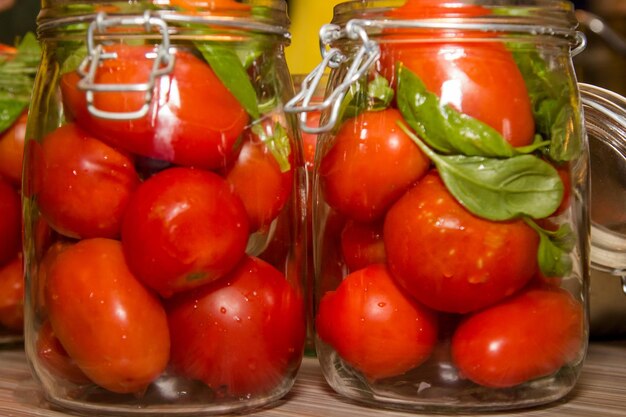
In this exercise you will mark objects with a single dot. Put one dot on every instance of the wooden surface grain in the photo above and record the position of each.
(601, 391)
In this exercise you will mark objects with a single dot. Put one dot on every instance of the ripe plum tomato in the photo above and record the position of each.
(85, 184)
(12, 150)
(375, 327)
(525, 337)
(111, 325)
(54, 357)
(242, 335)
(193, 119)
(12, 295)
(478, 78)
(10, 222)
(183, 228)
(371, 163)
(362, 244)
(259, 181)
(451, 260)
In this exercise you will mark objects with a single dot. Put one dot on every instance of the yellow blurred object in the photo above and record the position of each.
(307, 17)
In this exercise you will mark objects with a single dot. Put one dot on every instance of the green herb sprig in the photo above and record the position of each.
(554, 248)
(16, 80)
(447, 130)
(555, 113)
(489, 177)
(498, 189)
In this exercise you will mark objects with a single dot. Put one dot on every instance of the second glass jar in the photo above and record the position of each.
(452, 228)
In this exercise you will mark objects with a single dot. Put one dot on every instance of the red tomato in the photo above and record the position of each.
(183, 228)
(10, 222)
(12, 150)
(374, 327)
(193, 119)
(371, 163)
(451, 260)
(114, 328)
(12, 295)
(7, 50)
(258, 180)
(54, 357)
(85, 184)
(242, 335)
(525, 337)
(362, 244)
(478, 78)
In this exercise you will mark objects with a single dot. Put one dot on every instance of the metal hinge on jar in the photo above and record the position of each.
(368, 54)
(163, 64)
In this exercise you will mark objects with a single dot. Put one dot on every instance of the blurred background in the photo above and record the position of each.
(603, 63)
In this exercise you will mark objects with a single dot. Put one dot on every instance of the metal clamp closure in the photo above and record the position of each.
(367, 55)
(163, 64)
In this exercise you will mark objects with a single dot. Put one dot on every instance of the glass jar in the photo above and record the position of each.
(163, 208)
(452, 222)
(17, 71)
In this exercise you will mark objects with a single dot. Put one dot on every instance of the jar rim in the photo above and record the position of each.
(553, 18)
(270, 16)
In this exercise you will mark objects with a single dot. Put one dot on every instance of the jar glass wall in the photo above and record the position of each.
(163, 208)
(452, 227)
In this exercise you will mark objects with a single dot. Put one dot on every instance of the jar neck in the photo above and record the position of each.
(184, 17)
(551, 21)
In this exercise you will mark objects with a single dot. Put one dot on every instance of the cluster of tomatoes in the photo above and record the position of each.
(11, 269)
(148, 262)
(404, 264)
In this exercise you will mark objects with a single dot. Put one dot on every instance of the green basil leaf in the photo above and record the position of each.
(554, 248)
(363, 96)
(380, 93)
(226, 64)
(353, 103)
(442, 127)
(16, 80)
(498, 189)
(277, 141)
(551, 94)
(71, 56)
(10, 110)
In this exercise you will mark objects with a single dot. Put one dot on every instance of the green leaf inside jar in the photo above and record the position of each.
(498, 189)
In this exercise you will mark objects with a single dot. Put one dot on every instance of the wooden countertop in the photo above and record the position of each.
(601, 391)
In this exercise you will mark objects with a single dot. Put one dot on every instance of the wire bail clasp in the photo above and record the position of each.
(163, 64)
(368, 54)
